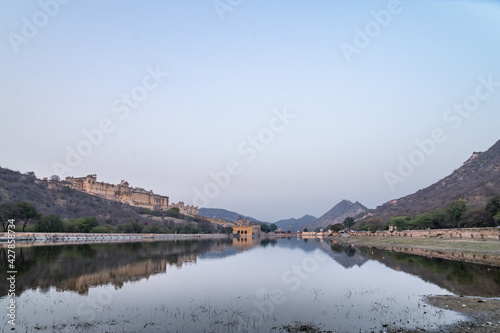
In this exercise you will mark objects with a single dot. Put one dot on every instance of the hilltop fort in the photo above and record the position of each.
(123, 192)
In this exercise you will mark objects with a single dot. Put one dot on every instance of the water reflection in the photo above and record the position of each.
(241, 284)
(79, 267)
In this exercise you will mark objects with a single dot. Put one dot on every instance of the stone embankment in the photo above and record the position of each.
(39, 238)
(463, 233)
(475, 245)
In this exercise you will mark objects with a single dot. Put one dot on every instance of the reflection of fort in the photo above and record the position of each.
(80, 267)
(122, 274)
(117, 276)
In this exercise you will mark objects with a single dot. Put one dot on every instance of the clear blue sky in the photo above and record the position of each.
(359, 92)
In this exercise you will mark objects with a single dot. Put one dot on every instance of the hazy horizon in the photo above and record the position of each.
(272, 110)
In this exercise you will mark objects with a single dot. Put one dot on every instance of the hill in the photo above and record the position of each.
(70, 204)
(337, 214)
(62, 201)
(476, 181)
(295, 224)
(219, 213)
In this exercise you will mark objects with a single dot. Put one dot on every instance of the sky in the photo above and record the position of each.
(272, 109)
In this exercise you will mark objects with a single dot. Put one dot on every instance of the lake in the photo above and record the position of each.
(232, 285)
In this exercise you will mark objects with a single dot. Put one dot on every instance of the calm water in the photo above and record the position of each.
(232, 286)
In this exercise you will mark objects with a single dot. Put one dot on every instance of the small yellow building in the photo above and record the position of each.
(247, 230)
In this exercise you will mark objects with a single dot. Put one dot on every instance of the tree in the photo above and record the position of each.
(85, 224)
(306, 230)
(349, 222)
(174, 211)
(226, 230)
(55, 178)
(264, 228)
(8, 210)
(493, 206)
(30, 174)
(26, 212)
(49, 223)
(273, 227)
(336, 227)
(453, 211)
(476, 217)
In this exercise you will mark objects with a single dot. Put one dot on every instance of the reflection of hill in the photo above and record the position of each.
(347, 256)
(460, 278)
(78, 267)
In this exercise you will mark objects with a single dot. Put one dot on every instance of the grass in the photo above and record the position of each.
(491, 247)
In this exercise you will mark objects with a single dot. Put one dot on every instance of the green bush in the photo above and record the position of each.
(103, 229)
(84, 224)
(476, 217)
(49, 223)
(151, 229)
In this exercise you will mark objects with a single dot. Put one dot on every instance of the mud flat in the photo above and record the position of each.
(483, 313)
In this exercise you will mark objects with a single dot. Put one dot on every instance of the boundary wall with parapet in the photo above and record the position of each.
(71, 237)
(459, 233)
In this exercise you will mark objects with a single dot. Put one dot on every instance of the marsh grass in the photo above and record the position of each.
(384, 313)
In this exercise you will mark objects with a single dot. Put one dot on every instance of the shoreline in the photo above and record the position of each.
(24, 239)
(485, 252)
(481, 312)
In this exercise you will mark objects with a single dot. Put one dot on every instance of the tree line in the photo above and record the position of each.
(455, 215)
(29, 219)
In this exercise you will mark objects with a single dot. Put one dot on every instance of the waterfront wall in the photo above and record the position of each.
(47, 237)
(461, 233)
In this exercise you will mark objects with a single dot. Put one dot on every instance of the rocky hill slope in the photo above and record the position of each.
(219, 213)
(295, 224)
(476, 181)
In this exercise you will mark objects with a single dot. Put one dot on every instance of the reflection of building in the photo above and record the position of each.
(117, 276)
(244, 243)
(247, 230)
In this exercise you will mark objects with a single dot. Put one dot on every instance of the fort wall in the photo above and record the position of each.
(122, 192)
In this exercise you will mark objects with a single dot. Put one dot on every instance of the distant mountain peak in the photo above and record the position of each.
(338, 213)
(295, 224)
